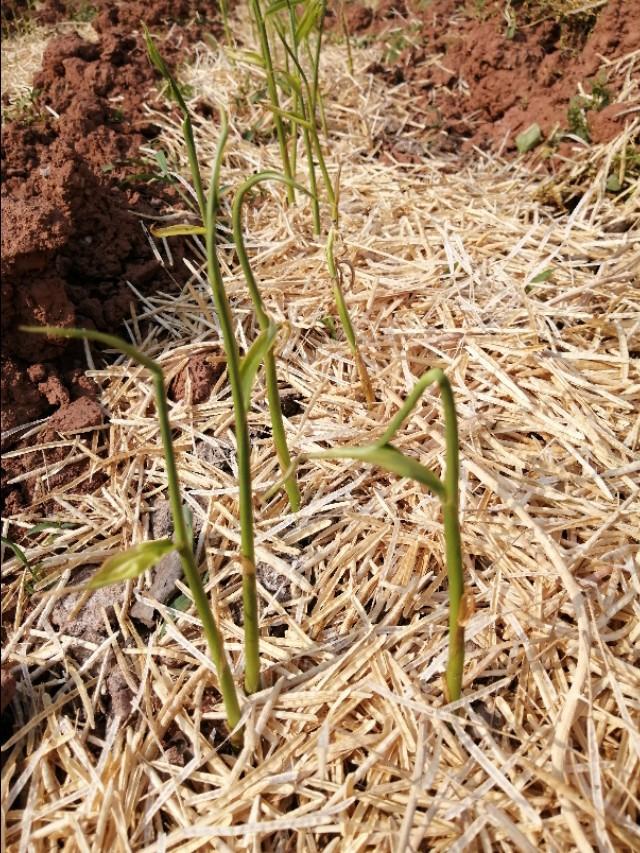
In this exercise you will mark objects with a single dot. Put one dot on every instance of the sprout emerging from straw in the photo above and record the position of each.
(383, 454)
(144, 556)
(335, 272)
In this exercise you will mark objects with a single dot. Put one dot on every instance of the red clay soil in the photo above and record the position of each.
(72, 196)
(472, 82)
(196, 381)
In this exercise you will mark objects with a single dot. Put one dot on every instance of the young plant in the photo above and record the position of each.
(272, 89)
(241, 372)
(187, 127)
(139, 558)
(273, 394)
(383, 454)
(335, 272)
(240, 380)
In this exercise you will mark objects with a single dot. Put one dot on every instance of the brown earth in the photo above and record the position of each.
(474, 79)
(197, 379)
(73, 189)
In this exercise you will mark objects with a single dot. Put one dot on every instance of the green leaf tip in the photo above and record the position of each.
(131, 563)
(253, 359)
(545, 275)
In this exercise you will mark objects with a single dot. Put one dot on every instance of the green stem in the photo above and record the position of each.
(247, 547)
(345, 32)
(224, 10)
(316, 62)
(384, 455)
(181, 536)
(297, 104)
(187, 127)
(450, 511)
(273, 394)
(184, 546)
(194, 166)
(453, 543)
(273, 95)
(345, 319)
(312, 128)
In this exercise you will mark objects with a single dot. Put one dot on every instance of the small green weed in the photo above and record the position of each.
(84, 13)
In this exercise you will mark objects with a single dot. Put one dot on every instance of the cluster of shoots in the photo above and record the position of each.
(299, 39)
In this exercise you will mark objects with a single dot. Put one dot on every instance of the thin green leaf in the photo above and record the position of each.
(182, 603)
(389, 458)
(49, 525)
(613, 184)
(529, 138)
(160, 65)
(163, 165)
(18, 552)
(545, 275)
(296, 117)
(182, 230)
(308, 21)
(188, 520)
(248, 56)
(279, 5)
(330, 325)
(132, 563)
(253, 359)
(154, 54)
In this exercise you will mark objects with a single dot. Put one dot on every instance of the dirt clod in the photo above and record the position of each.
(196, 380)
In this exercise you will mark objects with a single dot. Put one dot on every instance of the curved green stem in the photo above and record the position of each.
(384, 455)
(181, 538)
(345, 319)
(247, 547)
(273, 394)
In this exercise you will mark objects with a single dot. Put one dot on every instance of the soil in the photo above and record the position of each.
(197, 379)
(476, 79)
(73, 190)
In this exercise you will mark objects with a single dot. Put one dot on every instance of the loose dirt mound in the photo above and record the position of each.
(72, 192)
(480, 73)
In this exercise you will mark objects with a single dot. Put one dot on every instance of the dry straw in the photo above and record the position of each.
(349, 746)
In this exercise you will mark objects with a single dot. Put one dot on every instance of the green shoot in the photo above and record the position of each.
(187, 127)
(345, 32)
(335, 272)
(224, 11)
(131, 563)
(306, 120)
(383, 454)
(272, 89)
(234, 367)
(143, 556)
(273, 395)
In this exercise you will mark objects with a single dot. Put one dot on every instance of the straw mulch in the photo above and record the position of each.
(350, 745)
